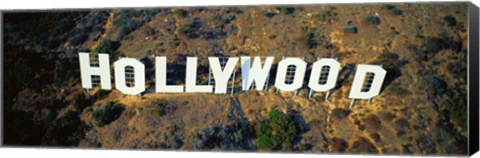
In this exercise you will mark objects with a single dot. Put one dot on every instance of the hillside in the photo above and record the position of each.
(421, 110)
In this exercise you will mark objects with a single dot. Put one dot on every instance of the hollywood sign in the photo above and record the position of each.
(252, 72)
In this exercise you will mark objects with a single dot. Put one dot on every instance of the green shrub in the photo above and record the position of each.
(373, 20)
(394, 9)
(286, 10)
(340, 113)
(277, 132)
(372, 122)
(130, 20)
(338, 145)
(105, 46)
(101, 94)
(389, 6)
(451, 21)
(350, 29)
(159, 108)
(80, 102)
(106, 114)
(398, 89)
(458, 111)
(363, 145)
(78, 39)
(435, 44)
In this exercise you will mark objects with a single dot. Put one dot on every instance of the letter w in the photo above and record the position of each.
(255, 72)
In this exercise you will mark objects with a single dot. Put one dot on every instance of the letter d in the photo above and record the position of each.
(359, 82)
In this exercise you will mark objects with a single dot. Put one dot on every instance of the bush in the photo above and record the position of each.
(130, 20)
(338, 145)
(277, 132)
(192, 30)
(394, 9)
(435, 44)
(101, 94)
(106, 114)
(286, 10)
(80, 101)
(398, 89)
(340, 113)
(233, 137)
(451, 21)
(437, 85)
(105, 46)
(229, 18)
(372, 122)
(350, 29)
(269, 14)
(373, 20)
(78, 39)
(67, 130)
(159, 108)
(457, 109)
(402, 123)
(363, 145)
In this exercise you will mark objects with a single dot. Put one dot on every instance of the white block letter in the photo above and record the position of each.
(191, 78)
(358, 81)
(221, 76)
(300, 67)
(103, 70)
(139, 76)
(255, 72)
(161, 77)
(333, 70)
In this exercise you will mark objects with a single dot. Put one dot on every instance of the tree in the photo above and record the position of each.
(277, 132)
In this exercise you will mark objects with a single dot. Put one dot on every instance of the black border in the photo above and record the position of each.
(1, 83)
(473, 78)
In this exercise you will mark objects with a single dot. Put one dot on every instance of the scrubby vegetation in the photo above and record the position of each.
(457, 109)
(374, 20)
(394, 9)
(286, 10)
(363, 145)
(338, 145)
(277, 132)
(340, 113)
(196, 29)
(231, 137)
(104, 115)
(105, 46)
(130, 20)
(101, 94)
(372, 123)
(451, 21)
